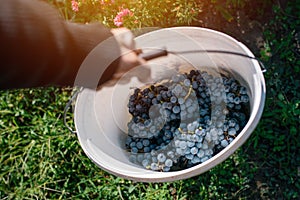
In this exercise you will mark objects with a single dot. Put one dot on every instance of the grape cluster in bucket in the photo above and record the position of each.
(185, 120)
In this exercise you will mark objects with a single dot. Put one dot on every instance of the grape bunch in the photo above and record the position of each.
(185, 120)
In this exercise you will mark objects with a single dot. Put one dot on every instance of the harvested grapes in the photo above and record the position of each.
(186, 120)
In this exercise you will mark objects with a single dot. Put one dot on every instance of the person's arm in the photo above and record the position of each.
(39, 48)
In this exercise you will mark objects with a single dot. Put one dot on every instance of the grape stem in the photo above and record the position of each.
(180, 130)
(189, 93)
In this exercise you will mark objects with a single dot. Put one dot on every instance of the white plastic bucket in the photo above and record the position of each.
(101, 115)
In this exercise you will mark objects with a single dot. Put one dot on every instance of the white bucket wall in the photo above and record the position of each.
(98, 113)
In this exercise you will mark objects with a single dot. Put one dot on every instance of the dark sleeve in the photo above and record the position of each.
(39, 48)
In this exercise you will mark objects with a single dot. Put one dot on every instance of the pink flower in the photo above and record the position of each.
(118, 21)
(75, 5)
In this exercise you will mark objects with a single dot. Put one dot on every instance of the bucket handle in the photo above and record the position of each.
(67, 107)
(163, 52)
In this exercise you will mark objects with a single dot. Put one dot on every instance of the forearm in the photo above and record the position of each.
(39, 48)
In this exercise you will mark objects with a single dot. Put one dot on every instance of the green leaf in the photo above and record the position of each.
(225, 13)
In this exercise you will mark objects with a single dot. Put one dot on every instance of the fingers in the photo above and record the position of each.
(127, 63)
(129, 59)
(125, 37)
(130, 64)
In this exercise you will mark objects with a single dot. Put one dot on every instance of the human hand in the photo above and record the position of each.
(129, 59)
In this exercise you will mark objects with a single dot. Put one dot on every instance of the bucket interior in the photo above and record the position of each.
(101, 116)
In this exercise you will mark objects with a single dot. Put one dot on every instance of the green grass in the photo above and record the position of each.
(41, 159)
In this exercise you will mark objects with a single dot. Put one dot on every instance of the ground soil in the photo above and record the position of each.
(247, 24)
